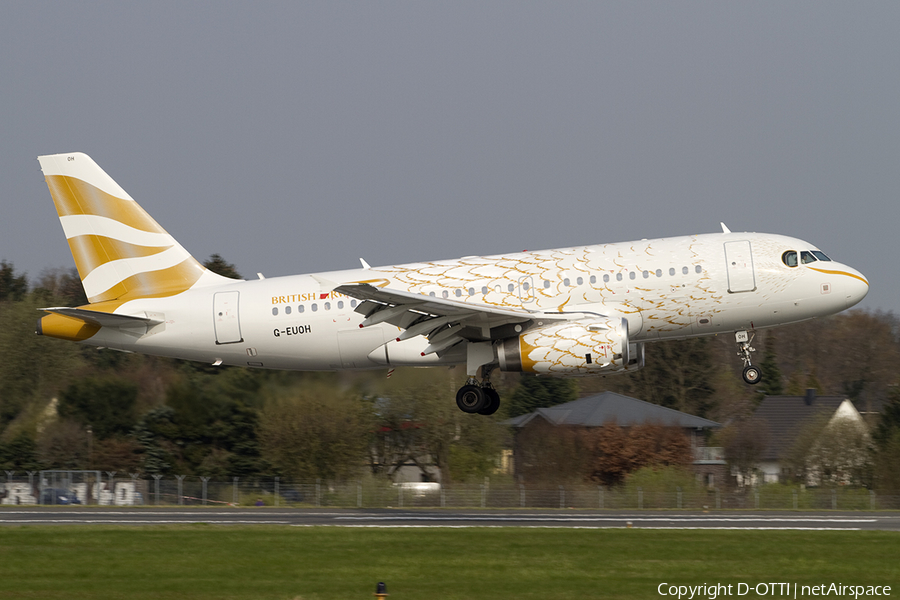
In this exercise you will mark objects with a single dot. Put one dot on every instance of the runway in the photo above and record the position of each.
(748, 520)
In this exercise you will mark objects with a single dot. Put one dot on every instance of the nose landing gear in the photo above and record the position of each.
(751, 374)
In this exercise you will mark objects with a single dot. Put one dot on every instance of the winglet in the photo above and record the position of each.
(724, 228)
(365, 265)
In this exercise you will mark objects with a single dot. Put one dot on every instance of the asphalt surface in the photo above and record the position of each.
(884, 521)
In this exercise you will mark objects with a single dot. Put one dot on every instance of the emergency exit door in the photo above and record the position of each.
(739, 263)
(225, 316)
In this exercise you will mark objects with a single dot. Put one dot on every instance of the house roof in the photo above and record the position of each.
(609, 407)
(786, 416)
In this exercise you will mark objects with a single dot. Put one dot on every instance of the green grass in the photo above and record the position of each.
(288, 563)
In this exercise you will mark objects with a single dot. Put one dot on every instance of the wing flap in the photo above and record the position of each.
(443, 322)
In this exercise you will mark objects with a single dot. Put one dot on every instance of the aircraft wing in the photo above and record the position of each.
(444, 322)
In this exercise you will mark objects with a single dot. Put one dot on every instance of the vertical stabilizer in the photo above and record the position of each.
(121, 253)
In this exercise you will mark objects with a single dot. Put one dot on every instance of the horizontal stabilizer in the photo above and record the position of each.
(101, 318)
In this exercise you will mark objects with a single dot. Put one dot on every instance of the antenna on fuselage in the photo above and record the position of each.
(724, 228)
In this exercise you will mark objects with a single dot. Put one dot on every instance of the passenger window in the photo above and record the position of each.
(287, 310)
(593, 279)
(471, 291)
(566, 282)
(684, 270)
(484, 290)
(445, 294)
(340, 304)
(546, 284)
(698, 269)
(274, 311)
(431, 294)
(672, 271)
(511, 287)
(618, 277)
(458, 293)
(820, 255)
(659, 272)
(646, 274)
(301, 308)
(605, 278)
(328, 306)
(314, 307)
(579, 281)
(632, 275)
(807, 257)
(789, 258)
(353, 302)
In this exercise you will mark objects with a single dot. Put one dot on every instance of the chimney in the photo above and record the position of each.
(810, 396)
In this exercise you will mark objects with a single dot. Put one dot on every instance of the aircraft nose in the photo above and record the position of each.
(855, 287)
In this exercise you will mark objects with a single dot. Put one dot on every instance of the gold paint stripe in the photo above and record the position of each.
(107, 307)
(154, 284)
(380, 283)
(75, 197)
(91, 251)
(525, 349)
(840, 273)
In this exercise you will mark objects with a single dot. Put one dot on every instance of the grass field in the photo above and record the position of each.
(289, 563)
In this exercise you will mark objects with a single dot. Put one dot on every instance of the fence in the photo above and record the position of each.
(98, 488)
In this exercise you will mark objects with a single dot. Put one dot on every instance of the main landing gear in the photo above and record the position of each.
(480, 398)
(751, 374)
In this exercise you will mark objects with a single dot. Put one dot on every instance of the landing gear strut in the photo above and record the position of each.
(751, 374)
(491, 395)
(480, 398)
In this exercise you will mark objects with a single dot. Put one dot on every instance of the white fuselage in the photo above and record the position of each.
(666, 288)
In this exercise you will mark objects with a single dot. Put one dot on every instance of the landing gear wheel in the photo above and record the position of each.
(492, 403)
(751, 375)
(471, 399)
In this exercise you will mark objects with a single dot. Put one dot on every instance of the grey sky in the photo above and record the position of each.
(294, 137)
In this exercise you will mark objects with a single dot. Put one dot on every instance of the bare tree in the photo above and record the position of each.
(744, 440)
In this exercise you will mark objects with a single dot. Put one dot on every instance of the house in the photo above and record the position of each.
(788, 418)
(609, 407)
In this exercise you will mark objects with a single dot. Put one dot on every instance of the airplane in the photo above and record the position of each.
(580, 311)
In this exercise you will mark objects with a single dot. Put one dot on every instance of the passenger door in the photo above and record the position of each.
(226, 319)
(739, 263)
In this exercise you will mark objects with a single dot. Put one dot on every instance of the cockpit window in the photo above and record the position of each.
(820, 255)
(807, 257)
(789, 258)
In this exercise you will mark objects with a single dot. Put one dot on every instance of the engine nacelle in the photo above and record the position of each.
(583, 347)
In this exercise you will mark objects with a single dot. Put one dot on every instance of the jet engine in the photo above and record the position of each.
(580, 347)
